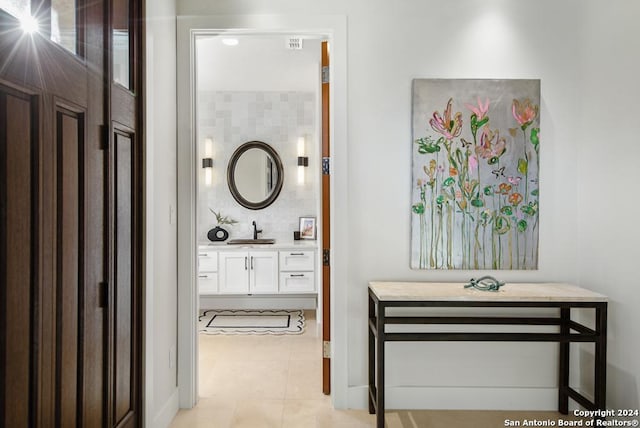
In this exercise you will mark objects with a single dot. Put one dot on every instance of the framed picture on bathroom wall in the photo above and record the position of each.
(307, 228)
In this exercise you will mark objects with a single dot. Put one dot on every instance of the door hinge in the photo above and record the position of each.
(326, 349)
(325, 257)
(326, 166)
(104, 294)
(104, 137)
(325, 74)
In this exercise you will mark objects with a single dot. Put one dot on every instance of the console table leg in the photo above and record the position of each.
(380, 366)
(600, 385)
(372, 357)
(563, 372)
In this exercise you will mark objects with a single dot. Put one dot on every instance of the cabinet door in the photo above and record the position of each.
(263, 271)
(233, 272)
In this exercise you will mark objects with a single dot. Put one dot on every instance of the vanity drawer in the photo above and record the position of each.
(297, 261)
(297, 282)
(207, 283)
(207, 261)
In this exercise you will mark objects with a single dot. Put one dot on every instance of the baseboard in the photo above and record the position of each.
(168, 411)
(457, 398)
(259, 302)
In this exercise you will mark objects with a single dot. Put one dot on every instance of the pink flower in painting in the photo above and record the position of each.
(446, 125)
(473, 162)
(514, 180)
(489, 148)
(525, 113)
(481, 110)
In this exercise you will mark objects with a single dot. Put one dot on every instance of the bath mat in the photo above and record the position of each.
(216, 321)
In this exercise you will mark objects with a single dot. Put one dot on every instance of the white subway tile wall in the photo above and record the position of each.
(230, 119)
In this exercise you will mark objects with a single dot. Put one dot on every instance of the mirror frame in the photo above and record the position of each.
(231, 169)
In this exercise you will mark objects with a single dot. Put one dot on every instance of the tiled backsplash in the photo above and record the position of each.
(278, 119)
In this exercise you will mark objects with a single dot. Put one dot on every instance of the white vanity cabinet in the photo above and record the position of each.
(258, 277)
(207, 271)
(248, 272)
(297, 272)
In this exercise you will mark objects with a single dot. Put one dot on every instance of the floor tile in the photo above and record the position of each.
(209, 413)
(304, 381)
(256, 379)
(258, 414)
(304, 413)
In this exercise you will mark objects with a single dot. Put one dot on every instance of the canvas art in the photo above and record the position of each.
(475, 196)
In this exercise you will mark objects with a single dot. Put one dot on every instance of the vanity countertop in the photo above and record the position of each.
(279, 245)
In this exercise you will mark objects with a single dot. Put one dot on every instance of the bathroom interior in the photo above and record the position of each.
(258, 135)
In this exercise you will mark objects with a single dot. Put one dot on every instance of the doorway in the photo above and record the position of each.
(335, 28)
(258, 123)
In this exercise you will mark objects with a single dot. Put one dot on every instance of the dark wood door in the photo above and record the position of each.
(62, 320)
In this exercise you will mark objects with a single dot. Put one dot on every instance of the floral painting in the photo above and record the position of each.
(475, 196)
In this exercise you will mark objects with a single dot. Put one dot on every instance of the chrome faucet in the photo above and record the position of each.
(255, 230)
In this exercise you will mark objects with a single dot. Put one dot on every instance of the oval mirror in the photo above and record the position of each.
(255, 175)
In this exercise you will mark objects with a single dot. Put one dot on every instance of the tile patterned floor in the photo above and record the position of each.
(276, 382)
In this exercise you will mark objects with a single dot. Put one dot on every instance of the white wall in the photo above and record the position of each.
(389, 44)
(608, 174)
(161, 397)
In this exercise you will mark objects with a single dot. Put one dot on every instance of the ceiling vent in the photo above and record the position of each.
(294, 42)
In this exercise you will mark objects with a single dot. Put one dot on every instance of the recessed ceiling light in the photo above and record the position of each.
(230, 42)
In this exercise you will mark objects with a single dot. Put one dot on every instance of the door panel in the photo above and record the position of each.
(69, 220)
(123, 351)
(17, 222)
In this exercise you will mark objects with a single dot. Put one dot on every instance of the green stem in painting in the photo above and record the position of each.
(526, 174)
(462, 244)
(534, 249)
(449, 235)
(484, 241)
(517, 243)
(510, 248)
(439, 244)
(422, 238)
(524, 251)
(476, 245)
(494, 260)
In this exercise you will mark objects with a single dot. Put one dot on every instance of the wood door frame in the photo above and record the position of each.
(334, 29)
(325, 209)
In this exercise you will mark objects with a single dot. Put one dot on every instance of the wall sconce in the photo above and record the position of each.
(207, 162)
(303, 161)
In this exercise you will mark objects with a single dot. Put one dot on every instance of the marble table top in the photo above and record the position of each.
(510, 292)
